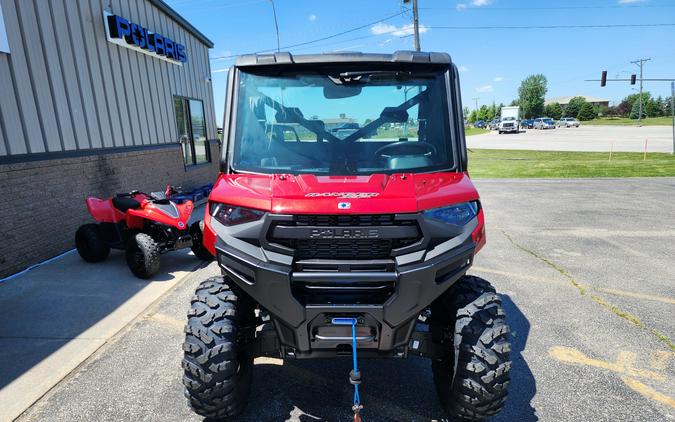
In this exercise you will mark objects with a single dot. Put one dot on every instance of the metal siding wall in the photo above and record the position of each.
(101, 61)
(12, 127)
(74, 97)
(84, 78)
(65, 87)
(22, 87)
(55, 72)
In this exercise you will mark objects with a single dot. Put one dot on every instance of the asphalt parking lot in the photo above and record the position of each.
(585, 269)
(583, 138)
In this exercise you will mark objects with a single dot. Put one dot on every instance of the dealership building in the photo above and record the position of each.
(96, 97)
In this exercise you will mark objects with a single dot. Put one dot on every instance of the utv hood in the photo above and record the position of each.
(310, 194)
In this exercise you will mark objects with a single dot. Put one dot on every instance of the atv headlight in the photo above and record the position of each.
(457, 214)
(229, 215)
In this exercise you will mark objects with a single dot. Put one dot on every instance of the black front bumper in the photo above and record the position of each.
(304, 329)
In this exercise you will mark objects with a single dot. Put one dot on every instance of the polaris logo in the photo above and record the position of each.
(344, 205)
(344, 234)
(344, 195)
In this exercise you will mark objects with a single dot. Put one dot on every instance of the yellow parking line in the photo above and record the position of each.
(623, 365)
(648, 392)
(668, 300)
(616, 292)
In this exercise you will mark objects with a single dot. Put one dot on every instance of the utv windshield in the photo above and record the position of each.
(343, 124)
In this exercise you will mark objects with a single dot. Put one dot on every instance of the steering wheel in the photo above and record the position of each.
(405, 148)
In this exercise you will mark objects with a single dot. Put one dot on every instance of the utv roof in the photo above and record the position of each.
(343, 57)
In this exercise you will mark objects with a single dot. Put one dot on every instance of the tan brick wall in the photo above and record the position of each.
(43, 201)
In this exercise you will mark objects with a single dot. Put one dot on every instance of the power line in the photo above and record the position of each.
(553, 7)
(320, 39)
(628, 25)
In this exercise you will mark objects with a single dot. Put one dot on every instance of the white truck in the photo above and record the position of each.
(509, 121)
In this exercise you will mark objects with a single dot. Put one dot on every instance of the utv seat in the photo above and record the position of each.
(124, 203)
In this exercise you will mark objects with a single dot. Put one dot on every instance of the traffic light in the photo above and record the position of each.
(603, 78)
(632, 79)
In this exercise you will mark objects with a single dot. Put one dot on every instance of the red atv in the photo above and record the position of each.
(144, 225)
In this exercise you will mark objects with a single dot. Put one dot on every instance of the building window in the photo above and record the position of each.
(191, 125)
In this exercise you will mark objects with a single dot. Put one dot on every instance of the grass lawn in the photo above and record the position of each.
(624, 121)
(492, 163)
(468, 131)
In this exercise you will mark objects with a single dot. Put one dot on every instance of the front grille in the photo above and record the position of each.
(345, 248)
(341, 249)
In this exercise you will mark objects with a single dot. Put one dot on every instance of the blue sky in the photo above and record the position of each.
(492, 62)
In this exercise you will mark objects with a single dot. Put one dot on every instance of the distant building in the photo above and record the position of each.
(563, 101)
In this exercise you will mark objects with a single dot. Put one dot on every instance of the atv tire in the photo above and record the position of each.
(142, 255)
(217, 375)
(197, 234)
(90, 244)
(473, 377)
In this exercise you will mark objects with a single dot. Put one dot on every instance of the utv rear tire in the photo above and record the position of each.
(471, 312)
(142, 255)
(90, 244)
(197, 234)
(217, 374)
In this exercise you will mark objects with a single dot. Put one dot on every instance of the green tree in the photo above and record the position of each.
(473, 116)
(483, 112)
(466, 112)
(635, 110)
(574, 106)
(654, 107)
(531, 95)
(554, 110)
(587, 112)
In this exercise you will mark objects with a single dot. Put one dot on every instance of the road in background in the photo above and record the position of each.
(585, 270)
(583, 138)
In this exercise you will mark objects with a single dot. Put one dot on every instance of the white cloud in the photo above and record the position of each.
(312, 18)
(499, 79)
(484, 88)
(463, 69)
(631, 1)
(461, 6)
(384, 28)
(479, 3)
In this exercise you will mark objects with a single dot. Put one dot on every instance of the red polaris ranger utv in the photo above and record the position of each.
(344, 222)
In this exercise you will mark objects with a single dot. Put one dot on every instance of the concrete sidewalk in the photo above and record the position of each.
(55, 316)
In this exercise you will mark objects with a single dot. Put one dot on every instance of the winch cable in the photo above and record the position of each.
(354, 374)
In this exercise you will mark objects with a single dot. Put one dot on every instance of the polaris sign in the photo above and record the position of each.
(131, 35)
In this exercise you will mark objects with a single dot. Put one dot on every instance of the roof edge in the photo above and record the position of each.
(182, 21)
(399, 56)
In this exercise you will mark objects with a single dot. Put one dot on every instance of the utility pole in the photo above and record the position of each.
(476, 100)
(640, 63)
(416, 23)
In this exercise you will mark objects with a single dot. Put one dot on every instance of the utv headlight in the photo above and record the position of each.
(457, 214)
(229, 215)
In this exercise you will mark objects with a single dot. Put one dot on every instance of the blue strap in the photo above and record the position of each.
(352, 322)
(357, 399)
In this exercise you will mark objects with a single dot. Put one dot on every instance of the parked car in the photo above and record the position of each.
(527, 123)
(494, 124)
(479, 124)
(568, 122)
(544, 123)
